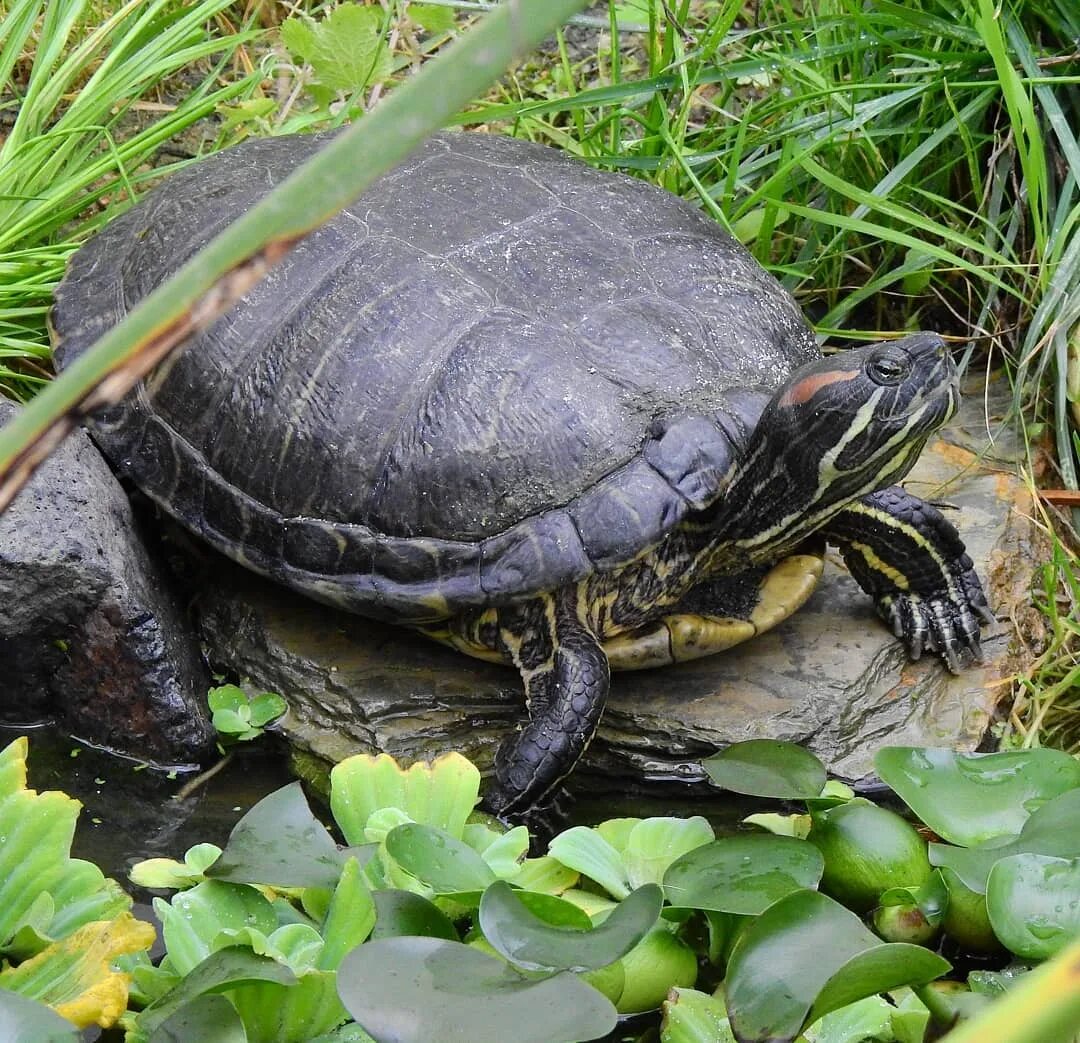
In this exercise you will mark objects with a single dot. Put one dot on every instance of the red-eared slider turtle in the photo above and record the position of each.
(549, 415)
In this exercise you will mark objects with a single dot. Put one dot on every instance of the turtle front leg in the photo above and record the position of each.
(566, 677)
(905, 554)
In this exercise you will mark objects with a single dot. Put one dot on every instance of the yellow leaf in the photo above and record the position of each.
(75, 976)
(13, 766)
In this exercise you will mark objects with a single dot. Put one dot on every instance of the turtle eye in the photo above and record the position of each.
(887, 370)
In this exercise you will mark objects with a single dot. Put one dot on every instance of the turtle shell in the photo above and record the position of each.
(496, 372)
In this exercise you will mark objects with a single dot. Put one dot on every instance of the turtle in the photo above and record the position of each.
(547, 414)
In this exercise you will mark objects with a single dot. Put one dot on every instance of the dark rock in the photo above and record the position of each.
(89, 631)
(831, 677)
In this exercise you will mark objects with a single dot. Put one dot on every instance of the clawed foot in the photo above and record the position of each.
(946, 621)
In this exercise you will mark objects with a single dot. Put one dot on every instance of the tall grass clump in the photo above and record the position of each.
(82, 113)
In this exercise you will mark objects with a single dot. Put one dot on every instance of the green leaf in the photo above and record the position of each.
(967, 798)
(807, 955)
(655, 843)
(227, 697)
(767, 768)
(280, 842)
(168, 873)
(415, 990)
(403, 913)
(210, 1018)
(194, 921)
(743, 875)
(220, 970)
(544, 874)
(432, 18)
(266, 707)
(277, 1012)
(24, 1020)
(504, 852)
(1034, 903)
(534, 945)
(1051, 830)
(447, 865)
(442, 793)
(694, 1017)
(350, 918)
(586, 851)
(346, 49)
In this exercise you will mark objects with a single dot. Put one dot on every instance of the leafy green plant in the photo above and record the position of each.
(62, 923)
(238, 717)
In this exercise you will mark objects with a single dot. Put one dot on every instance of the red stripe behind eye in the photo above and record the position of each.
(806, 388)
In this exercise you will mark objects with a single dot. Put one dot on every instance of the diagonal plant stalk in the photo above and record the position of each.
(232, 263)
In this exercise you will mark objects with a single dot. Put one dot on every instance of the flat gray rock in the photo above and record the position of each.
(89, 631)
(830, 677)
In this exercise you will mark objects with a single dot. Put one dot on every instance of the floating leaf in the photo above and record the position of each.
(283, 1012)
(403, 913)
(742, 875)
(220, 970)
(442, 793)
(197, 922)
(586, 851)
(1051, 830)
(160, 873)
(415, 990)
(350, 917)
(206, 1017)
(654, 843)
(533, 944)
(1034, 903)
(445, 864)
(694, 1017)
(767, 768)
(967, 798)
(76, 977)
(280, 842)
(807, 955)
(24, 1020)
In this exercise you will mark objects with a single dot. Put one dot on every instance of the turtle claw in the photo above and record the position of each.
(940, 622)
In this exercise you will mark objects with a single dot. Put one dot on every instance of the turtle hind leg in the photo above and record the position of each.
(566, 677)
(910, 559)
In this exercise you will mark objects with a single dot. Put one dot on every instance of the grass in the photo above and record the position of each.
(898, 166)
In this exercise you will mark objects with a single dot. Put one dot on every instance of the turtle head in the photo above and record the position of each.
(838, 429)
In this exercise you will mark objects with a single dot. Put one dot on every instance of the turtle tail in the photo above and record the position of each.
(565, 695)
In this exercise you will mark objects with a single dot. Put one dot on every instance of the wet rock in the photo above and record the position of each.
(831, 677)
(89, 631)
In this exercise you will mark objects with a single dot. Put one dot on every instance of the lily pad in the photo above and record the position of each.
(531, 943)
(742, 875)
(807, 955)
(767, 768)
(414, 990)
(967, 798)
(280, 842)
(1034, 903)
(447, 865)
